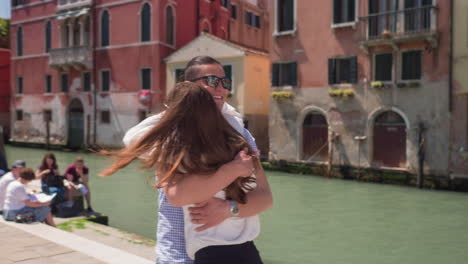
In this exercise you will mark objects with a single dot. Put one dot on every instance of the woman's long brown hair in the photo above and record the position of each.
(44, 165)
(192, 137)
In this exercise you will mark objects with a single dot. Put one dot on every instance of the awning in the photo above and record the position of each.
(73, 13)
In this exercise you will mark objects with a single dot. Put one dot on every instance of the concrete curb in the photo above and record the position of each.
(85, 246)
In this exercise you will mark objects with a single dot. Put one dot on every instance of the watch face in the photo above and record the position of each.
(234, 208)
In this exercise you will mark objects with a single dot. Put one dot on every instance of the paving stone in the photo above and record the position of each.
(5, 261)
(51, 249)
(22, 255)
(44, 260)
(76, 258)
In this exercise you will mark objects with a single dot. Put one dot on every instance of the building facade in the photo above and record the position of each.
(5, 91)
(459, 135)
(84, 71)
(369, 82)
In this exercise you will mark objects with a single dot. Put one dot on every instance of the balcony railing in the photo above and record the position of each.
(400, 24)
(72, 4)
(78, 56)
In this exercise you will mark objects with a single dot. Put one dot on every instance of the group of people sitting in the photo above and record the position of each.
(16, 202)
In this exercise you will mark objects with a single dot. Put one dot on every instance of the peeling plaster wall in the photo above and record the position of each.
(354, 117)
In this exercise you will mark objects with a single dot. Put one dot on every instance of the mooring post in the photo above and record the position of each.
(421, 153)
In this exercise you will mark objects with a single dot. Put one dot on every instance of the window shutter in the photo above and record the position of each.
(275, 75)
(289, 15)
(337, 6)
(331, 71)
(353, 70)
(410, 3)
(351, 10)
(293, 74)
(426, 2)
(104, 29)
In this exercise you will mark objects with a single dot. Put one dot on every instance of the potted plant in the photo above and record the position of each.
(335, 93)
(377, 84)
(282, 95)
(413, 84)
(402, 85)
(348, 93)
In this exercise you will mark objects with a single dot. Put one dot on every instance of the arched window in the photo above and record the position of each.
(146, 22)
(105, 29)
(19, 41)
(48, 36)
(389, 140)
(170, 26)
(315, 137)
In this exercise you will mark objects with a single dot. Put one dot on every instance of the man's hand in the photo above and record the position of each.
(209, 213)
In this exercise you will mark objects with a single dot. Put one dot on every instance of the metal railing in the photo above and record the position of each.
(67, 4)
(78, 55)
(400, 22)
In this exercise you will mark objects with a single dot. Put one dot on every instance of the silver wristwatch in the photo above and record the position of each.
(234, 209)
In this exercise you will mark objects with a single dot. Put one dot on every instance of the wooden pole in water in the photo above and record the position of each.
(47, 133)
(330, 154)
(2, 152)
(421, 141)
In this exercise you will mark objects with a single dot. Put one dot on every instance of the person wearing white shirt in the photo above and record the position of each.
(9, 178)
(17, 200)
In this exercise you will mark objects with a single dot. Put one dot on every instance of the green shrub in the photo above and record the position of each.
(282, 95)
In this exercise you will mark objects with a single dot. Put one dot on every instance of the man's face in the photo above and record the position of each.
(219, 93)
(79, 165)
(15, 172)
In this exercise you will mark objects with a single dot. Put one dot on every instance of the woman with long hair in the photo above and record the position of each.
(191, 142)
(51, 180)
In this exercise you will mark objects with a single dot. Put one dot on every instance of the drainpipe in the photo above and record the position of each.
(197, 15)
(94, 12)
(450, 99)
(451, 57)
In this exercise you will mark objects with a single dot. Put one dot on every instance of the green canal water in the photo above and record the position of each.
(314, 220)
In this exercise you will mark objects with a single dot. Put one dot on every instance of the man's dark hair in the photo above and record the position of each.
(191, 70)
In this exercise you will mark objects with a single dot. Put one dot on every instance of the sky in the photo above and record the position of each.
(5, 8)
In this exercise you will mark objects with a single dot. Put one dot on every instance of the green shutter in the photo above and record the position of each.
(275, 74)
(293, 73)
(353, 70)
(331, 71)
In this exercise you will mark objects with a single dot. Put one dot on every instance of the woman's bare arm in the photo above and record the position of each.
(195, 188)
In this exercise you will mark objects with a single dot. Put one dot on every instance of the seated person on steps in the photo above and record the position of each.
(77, 174)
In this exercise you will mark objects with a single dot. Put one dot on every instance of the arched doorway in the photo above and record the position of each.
(389, 140)
(75, 124)
(315, 137)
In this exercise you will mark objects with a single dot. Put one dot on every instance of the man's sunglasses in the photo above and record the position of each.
(213, 81)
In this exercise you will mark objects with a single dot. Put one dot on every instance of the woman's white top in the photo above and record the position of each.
(234, 230)
(15, 196)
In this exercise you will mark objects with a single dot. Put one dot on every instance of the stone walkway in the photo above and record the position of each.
(38, 243)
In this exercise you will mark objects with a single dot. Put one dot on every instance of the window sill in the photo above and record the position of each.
(284, 33)
(283, 87)
(342, 85)
(344, 25)
(48, 94)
